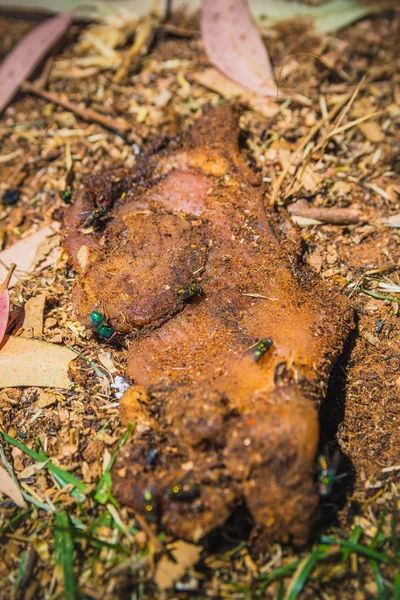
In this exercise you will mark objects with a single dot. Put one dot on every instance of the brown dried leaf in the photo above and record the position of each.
(23, 254)
(26, 362)
(234, 45)
(10, 488)
(168, 571)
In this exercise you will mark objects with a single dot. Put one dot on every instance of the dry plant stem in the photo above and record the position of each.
(313, 131)
(350, 103)
(7, 280)
(346, 127)
(141, 44)
(87, 114)
(334, 216)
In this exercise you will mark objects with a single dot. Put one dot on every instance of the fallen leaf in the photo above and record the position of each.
(225, 87)
(372, 131)
(328, 16)
(168, 571)
(27, 362)
(23, 59)
(33, 321)
(5, 302)
(392, 221)
(45, 399)
(234, 45)
(10, 488)
(23, 254)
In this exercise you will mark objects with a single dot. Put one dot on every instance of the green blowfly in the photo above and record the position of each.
(261, 348)
(102, 327)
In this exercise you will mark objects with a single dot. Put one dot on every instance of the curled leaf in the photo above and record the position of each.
(234, 45)
(5, 302)
(21, 61)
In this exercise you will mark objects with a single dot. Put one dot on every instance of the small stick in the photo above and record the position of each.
(335, 216)
(87, 114)
(7, 280)
(347, 126)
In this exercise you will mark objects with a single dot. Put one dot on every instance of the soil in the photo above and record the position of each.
(356, 168)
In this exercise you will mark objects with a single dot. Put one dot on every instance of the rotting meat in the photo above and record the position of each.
(232, 337)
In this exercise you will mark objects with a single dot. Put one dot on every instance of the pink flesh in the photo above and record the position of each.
(182, 191)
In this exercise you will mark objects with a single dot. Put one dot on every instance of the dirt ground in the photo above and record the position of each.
(46, 149)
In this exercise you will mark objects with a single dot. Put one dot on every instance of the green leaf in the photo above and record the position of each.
(326, 17)
(64, 552)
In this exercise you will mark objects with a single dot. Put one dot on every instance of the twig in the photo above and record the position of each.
(348, 126)
(350, 102)
(7, 280)
(87, 114)
(335, 216)
(141, 44)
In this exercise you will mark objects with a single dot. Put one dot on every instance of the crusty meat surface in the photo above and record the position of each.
(215, 428)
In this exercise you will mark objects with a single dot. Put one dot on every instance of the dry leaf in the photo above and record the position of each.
(10, 488)
(33, 321)
(392, 221)
(216, 81)
(5, 302)
(234, 45)
(26, 362)
(21, 61)
(23, 254)
(372, 131)
(168, 571)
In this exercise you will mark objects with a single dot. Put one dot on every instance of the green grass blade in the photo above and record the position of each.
(64, 552)
(393, 534)
(41, 457)
(102, 493)
(365, 550)
(396, 589)
(15, 519)
(354, 539)
(302, 573)
(279, 572)
(378, 576)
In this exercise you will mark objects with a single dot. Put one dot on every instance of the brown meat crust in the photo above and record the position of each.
(226, 429)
